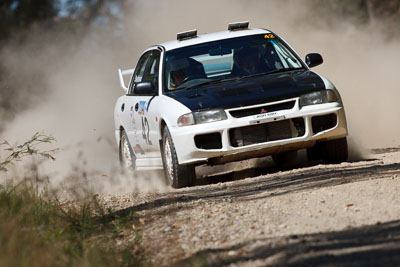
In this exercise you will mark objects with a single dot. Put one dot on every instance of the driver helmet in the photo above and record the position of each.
(247, 60)
(177, 71)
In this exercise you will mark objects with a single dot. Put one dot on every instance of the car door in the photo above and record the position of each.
(131, 125)
(141, 109)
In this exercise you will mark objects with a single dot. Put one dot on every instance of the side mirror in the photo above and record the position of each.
(314, 59)
(144, 88)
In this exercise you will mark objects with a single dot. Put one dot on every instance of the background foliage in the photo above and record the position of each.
(20, 20)
(18, 16)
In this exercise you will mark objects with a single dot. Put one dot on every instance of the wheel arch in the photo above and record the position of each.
(163, 124)
(161, 128)
(121, 131)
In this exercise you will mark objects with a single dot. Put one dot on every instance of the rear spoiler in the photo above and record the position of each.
(121, 74)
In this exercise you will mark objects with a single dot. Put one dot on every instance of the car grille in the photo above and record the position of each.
(263, 109)
(261, 133)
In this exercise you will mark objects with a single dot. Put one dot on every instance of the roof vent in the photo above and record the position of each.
(186, 35)
(238, 26)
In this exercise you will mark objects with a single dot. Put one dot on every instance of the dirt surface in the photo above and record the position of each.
(311, 215)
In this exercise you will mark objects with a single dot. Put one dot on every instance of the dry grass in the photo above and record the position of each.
(36, 229)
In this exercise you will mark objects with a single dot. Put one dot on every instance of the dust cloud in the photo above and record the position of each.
(360, 61)
(80, 83)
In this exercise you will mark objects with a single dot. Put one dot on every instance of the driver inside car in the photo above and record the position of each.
(247, 61)
(177, 72)
(177, 76)
(183, 70)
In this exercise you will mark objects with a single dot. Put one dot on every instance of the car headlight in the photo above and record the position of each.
(202, 117)
(319, 97)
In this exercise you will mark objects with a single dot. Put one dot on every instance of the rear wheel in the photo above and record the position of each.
(127, 158)
(176, 175)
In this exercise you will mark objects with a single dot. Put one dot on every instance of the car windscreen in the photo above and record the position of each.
(227, 59)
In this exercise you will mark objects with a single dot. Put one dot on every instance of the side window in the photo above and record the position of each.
(151, 72)
(139, 71)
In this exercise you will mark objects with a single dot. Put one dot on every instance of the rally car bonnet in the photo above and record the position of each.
(247, 92)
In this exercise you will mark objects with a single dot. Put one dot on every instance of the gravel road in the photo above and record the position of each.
(310, 215)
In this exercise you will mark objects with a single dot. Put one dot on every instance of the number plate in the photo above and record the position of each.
(263, 118)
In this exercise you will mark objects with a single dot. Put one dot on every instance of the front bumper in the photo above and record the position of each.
(230, 150)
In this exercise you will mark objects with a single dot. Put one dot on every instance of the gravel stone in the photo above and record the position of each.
(249, 221)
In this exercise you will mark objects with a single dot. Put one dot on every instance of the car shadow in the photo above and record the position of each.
(262, 187)
(372, 245)
(262, 167)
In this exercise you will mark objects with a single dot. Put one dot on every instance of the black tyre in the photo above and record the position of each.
(314, 153)
(175, 175)
(285, 159)
(334, 151)
(127, 158)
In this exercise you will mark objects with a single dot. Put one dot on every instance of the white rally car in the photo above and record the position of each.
(223, 97)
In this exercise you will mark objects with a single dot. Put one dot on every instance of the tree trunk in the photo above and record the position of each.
(370, 11)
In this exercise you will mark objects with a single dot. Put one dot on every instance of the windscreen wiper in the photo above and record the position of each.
(268, 72)
(238, 78)
(212, 82)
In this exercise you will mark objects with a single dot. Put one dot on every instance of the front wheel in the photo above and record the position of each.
(334, 151)
(176, 175)
(285, 159)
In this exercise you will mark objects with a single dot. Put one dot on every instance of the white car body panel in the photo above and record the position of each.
(188, 152)
(209, 37)
(143, 125)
